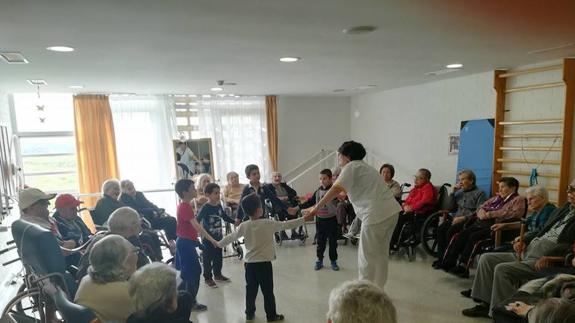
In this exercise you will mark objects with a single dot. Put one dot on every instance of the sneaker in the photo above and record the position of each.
(277, 318)
(466, 293)
(250, 318)
(222, 279)
(334, 266)
(318, 265)
(436, 264)
(211, 283)
(199, 307)
(481, 310)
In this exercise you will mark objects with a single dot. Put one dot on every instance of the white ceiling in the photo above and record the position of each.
(154, 46)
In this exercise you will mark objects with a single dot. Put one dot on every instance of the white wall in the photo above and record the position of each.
(409, 126)
(307, 125)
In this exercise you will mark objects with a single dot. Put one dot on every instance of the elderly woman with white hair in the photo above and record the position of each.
(201, 181)
(360, 301)
(156, 299)
(105, 289)
(109, 202)
(125, 222)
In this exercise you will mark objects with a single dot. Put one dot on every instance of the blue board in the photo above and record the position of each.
(476, 150)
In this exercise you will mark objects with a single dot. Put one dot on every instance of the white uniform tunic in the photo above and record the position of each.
(377, 208)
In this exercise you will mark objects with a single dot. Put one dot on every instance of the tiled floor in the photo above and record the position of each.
(420, 293)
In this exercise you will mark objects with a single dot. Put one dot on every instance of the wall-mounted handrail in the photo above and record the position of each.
(330, 155)
(303, 163)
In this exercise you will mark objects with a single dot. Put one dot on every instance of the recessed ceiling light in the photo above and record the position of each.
(365, 87)
(76, 87)
(289, 59)
(206, 96)
(454, 65)
(62, 49)
(13, 57)
(216, 89)
(339, 90)
(359, 30)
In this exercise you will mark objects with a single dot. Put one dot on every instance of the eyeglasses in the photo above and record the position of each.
(417, 177)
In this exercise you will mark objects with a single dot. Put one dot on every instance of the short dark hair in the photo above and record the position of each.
(250, 203)
(210, 188)
(353, 150)
(183, 185)
(250, 168)
(511, 182)
(388, 166)
(425, 173)
(326, 172)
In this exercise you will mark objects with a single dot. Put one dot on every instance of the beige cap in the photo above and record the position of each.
(29, 196)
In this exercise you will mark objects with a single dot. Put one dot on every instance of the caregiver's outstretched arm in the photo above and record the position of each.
(331, 194)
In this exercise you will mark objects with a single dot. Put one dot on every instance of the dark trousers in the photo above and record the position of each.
(212, 259)
(327, 230)
(260, 275)
(165, 223)
(403, 218)
(445, 233)
(463, 245)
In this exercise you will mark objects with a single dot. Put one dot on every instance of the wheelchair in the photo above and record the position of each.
(497, 242)
(153, 241)
(422, 228)
(44, 266)
(280, 237)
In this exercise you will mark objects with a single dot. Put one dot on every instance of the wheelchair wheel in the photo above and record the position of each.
(240, 252)
(428, 235)
(26, 306)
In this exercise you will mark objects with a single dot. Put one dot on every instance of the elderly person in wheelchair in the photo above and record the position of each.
(467, 198)
(500, 273)
(70, 225)
(288, 196)
(108, 203)
(156, 298)
(420, 201)
(506, 206)
(156, 216)
(105, 289)
(124, 222)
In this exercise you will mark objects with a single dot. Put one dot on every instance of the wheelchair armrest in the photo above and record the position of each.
(556, 259)
(505, 227)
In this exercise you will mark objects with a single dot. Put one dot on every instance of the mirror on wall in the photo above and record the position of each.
(193, 156)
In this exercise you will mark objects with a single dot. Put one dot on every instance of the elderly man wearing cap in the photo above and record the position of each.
(33, 205)
(70, 225)
(499, 274)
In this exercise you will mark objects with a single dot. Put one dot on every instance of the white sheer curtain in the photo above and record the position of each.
(237, 127)
(145, 127)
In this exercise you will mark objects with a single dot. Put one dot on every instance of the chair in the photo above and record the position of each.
(43, 262)
(72, 312)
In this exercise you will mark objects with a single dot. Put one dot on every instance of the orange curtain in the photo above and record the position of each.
(95, 144)
(272, 124)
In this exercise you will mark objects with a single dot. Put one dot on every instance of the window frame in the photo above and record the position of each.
(40, 134)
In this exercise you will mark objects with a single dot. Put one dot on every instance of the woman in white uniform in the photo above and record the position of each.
(373, 203)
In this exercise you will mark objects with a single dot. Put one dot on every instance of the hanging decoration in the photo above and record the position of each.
(40, 107)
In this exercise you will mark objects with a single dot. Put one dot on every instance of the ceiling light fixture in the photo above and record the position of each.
(289, 59)
(76, 87)
(454, 65)
(359, 30)
(13, 57)
(37, 82)
(216, 89)
(61, 49)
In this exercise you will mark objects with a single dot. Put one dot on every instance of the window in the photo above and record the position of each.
(187, 118)
(47, 146)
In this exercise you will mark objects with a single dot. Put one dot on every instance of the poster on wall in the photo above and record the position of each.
(453, 144)
(193, 157)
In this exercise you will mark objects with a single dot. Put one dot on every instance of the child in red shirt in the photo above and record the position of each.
(186, 259)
